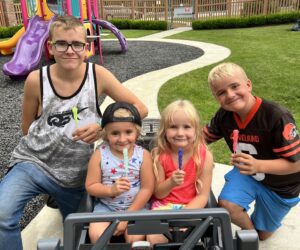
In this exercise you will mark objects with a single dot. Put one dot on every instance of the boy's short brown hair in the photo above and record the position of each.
(224, 70)
(67, 22)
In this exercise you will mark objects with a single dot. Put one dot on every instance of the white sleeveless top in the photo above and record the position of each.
(48, 143)
(113, 168)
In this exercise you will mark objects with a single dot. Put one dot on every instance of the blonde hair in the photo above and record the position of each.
(67, 23)
(167, 116)
(224, 70)
(121, 113)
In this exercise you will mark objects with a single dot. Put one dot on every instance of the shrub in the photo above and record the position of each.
(243, 22)
(9, 31)
(139, 24)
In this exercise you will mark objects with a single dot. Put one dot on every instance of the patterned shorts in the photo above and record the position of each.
(158, 205)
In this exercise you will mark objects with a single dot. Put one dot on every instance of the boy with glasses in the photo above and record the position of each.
(60, 115)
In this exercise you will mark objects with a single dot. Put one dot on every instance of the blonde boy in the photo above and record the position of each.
(266, 165)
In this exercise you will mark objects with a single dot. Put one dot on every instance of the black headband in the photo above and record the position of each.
(108, 115)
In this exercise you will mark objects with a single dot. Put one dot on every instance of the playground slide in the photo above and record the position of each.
(29, 48)
(6, 47)
(107, 25)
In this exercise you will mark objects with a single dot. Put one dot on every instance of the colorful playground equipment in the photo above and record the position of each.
(6, 47)
(37, 17)
(29, 49)
(107, 25)
(30, 46)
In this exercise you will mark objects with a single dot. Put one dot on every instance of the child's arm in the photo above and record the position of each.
(145, 192)
(31, 100)
(93, 183)
(163, 185)
(147, 183)
(108, 84)
(205, 179)
(248, 165)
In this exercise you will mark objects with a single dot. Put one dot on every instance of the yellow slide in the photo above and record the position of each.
(6, 47)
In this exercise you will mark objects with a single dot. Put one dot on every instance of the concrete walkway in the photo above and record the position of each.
(152, 81)
(47, 224)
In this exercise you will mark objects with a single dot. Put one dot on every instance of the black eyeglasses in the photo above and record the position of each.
(63, 46)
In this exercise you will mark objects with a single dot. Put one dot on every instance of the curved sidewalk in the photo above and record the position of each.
(146, 86)
(47, 224)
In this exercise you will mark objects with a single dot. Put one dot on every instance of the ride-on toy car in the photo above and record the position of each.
(208, 228)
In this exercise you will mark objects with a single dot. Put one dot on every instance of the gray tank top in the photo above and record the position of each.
(48, 143)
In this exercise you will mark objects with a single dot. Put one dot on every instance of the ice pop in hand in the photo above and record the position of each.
(125, 155)
(235, 140)
(75, 115)
(180, 155)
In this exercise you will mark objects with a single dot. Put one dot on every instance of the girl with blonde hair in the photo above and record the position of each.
(182, 163)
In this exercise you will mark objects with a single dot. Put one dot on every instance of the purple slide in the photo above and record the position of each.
(107, 25)
(29, 48)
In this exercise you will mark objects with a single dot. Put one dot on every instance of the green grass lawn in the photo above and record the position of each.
(271, 57)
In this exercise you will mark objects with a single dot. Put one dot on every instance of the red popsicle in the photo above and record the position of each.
(235, 140)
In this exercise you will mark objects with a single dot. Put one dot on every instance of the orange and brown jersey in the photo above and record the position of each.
(269, 132)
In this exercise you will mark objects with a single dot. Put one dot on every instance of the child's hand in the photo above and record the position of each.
(121, 228)
(177, 177)
(120, 186)
(246, 163)
(89, 133)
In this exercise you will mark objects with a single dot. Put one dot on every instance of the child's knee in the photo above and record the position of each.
(224, 204)
(231, 207)
(94, 235)
(156, 238)
(264, 235)
(96, 230)
(134, 238)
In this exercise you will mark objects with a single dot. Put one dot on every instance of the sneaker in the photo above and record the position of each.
(141, 245)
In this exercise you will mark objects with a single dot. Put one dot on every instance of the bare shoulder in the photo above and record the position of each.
(95, 158)
(31, 106)
(209, 160)
(146, 154)
(101, 71)
(33, 76)
(106, 82)
(99, 68)
(97, 154)
(32, 86)
(32, 81)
